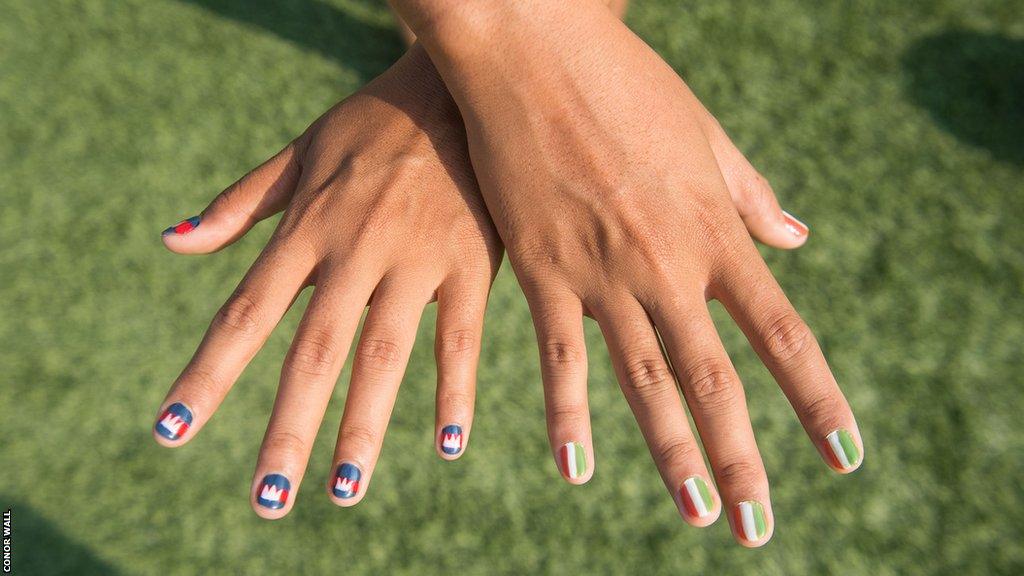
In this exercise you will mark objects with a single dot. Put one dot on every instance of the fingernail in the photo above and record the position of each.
(750, 521)
(845, 455)
(273, 492)
(696, 497)
(346, 481)
(573, 460)
(794, 226)
(451, 439)
(183, 227)
(174, 422)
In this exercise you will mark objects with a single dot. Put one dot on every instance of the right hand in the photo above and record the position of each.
(619, 198)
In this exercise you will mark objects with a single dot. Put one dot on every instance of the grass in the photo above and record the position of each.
(893, 129)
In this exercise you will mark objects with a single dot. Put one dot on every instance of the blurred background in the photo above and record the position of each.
(894, 129)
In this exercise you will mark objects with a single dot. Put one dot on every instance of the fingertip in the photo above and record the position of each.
(752, 524)
(168, 443)
(843, 452)
(797, 230)
(575, 463)
(347, 485)
(272, 496)
(172, 426)
(451, 442)
(186, 237)
(698, 503)
(270, 514)
(702, 522)
(345, 503)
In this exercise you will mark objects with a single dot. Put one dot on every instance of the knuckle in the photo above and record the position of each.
(358, 437)
(740, 474)
(675, 450)
(756, 195)
(569, 416)
(786, 337)
(285, 444)
(379, 354)
(561, 353)
(202, 382)
(648, 376)
(455, 400)
(711, 229)
(823, 410)
(241, 314)
(456, 344)
(313, 353)
(712, 386)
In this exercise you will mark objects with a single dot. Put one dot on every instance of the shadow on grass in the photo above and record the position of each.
(366, 47)
(973, 85)
(38, 546)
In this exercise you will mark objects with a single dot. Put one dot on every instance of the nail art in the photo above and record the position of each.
(696, 497)
(183, 227)
(750, 521)
(346, 481)
(174, 422)
(273, 492)
(794, 226)
(573, 460)
(845, 454)
(451, 439)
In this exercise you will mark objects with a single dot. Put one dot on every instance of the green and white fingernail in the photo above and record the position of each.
(697, 501)
(750, 521)
(573, 460)
(845, 455)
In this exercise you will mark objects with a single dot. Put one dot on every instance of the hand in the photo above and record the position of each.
(605, 180)
(382, 208)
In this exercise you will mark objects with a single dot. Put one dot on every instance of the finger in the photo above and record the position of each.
(650, 389)
(259, 194)
(558, 320)
(715, 397)
(792, 354)
(460, 321)
(380, 360)
(309, 373)
(752, 195)
(233, 338)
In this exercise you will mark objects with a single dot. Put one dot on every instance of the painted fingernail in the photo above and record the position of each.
(273, 492)
(174, 422)
(573, 459)
(696, 497)
(750, 521)
(451, 439)
(794, 226)
(845, 455)
(346, 481)
(183, 227)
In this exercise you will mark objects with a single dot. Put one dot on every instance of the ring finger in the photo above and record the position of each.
(650, 389)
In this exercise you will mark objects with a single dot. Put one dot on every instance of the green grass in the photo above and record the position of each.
(893, 128)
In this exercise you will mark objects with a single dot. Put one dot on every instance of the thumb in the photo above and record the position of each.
(753, 196)
(258, 195)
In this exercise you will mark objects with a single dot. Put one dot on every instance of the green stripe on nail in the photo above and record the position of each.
(759, 523)
(705, 494)
(849, 448)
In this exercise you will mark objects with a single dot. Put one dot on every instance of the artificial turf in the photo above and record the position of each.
(894, 129)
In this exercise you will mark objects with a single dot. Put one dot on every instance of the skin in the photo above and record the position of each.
(599, 169)
(382, 208)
